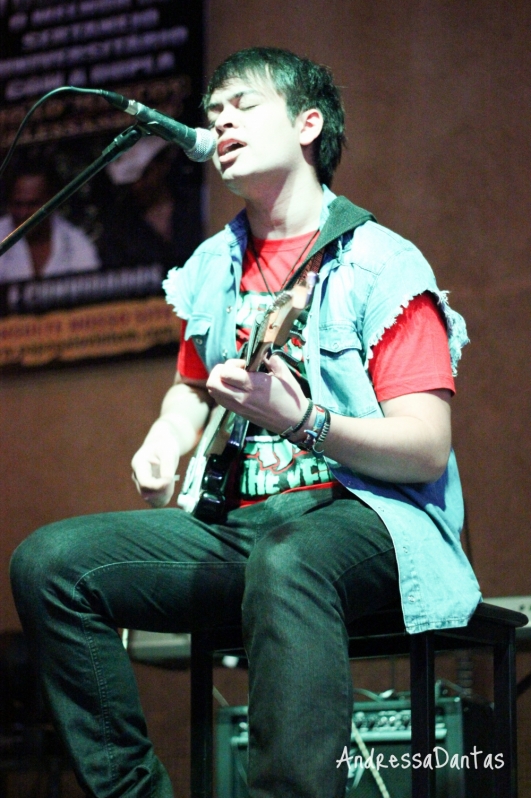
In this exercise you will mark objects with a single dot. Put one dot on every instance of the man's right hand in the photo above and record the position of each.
(184, 413)
(154, 467)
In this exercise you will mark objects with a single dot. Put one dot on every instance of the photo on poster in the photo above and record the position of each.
(86, 281)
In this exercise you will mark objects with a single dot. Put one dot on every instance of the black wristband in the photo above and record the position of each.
(296, 427)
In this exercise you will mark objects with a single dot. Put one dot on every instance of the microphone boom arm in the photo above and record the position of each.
(198, 144)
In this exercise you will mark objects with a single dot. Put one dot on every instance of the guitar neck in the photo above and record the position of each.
(272, 326)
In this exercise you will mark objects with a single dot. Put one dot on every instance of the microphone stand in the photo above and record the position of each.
(123, 142)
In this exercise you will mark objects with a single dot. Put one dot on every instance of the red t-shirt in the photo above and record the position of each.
(412, 356)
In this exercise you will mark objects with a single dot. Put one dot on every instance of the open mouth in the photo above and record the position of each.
(228, 148)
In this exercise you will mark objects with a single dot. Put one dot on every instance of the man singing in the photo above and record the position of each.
(346, 496)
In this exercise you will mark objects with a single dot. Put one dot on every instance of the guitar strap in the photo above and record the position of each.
(343, 217)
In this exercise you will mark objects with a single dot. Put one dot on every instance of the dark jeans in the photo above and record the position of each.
(294, 569)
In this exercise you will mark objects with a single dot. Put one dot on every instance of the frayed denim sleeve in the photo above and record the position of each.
(185, 286)
(401, 274)
(457, 332)
(176, 286)
(455, 327)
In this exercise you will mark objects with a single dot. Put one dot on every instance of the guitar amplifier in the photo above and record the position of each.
(385, 730)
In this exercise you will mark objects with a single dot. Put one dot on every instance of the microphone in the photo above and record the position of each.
(198, 144)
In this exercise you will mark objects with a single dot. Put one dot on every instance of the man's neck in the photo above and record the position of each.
(291, 211)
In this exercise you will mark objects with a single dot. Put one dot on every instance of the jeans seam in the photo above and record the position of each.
(103, 698)
(152, 564)
(346, 711)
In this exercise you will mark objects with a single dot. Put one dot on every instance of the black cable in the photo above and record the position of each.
(32, 111)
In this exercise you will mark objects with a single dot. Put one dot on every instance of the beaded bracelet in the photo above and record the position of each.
(290, 430)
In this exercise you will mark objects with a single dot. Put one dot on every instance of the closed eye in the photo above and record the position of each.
(212, 123)
(239, 100)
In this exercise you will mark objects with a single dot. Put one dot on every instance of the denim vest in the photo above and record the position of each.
(366, 279)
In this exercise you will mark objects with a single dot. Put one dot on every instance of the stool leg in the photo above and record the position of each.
(505, 778)
(201, 732)
(422, 675)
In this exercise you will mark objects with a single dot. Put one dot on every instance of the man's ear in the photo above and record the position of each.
(311, 125)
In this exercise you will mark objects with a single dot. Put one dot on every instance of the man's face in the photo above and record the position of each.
(29, 193)
(258, 145)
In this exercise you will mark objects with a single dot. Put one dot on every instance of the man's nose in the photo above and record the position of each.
(226, 119)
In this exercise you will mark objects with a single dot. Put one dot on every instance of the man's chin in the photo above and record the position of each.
(234, 183)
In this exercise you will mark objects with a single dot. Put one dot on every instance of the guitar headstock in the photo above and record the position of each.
(274, 324)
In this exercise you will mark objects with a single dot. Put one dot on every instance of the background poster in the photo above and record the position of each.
(88, 283)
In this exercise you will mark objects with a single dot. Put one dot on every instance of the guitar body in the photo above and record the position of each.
(219, 469)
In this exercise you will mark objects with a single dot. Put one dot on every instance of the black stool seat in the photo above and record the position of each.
(379, 635)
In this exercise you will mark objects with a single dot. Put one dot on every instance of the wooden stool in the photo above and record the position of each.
(381, 635)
